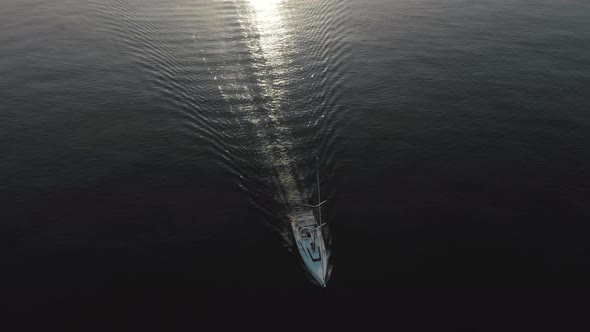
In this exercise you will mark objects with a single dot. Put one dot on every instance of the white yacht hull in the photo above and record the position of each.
(310, 244)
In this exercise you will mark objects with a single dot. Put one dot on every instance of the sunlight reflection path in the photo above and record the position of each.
(268, 41)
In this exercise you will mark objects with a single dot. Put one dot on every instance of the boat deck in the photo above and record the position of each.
(303, 217)
(310, 243)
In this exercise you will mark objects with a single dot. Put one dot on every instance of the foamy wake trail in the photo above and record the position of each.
(255, 89)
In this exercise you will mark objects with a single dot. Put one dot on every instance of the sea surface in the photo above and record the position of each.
(151, 150)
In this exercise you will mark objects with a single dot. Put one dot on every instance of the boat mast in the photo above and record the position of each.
(319, 198)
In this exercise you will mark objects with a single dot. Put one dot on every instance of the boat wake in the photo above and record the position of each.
(258, 69)
(254, 82)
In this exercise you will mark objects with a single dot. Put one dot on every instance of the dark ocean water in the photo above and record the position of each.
(151, 150)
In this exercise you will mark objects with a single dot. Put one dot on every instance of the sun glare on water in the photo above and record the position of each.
(267, 16)
(269, 40)
(266, 7)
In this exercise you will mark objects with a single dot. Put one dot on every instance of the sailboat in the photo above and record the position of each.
(307, 231)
